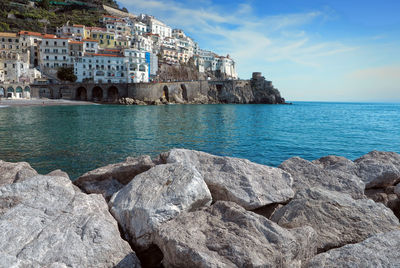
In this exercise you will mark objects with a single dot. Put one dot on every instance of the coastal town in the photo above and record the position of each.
(126, 49)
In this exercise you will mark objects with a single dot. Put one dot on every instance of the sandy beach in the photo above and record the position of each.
(40, 102)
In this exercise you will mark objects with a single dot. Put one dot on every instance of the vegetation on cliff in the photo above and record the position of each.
(45, 15)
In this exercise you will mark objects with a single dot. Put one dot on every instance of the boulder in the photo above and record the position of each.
(248, 184)
(337, 164)
(385, 196)
(379, 169)
(156, 196)
(323, 174)
(45, 222)
(226, 235)
(336, 217)
(58, 173)
(111, 178)
(12, 172)
(380, 250)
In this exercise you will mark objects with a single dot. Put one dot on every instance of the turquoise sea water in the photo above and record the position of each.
(77, 139)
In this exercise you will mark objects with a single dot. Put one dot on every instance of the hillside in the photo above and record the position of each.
(45, 15)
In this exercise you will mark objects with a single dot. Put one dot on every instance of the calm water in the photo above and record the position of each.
(81, 138)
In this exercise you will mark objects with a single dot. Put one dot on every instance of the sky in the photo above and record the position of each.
(312, 50)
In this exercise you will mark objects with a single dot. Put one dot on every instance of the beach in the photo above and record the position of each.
(39, 102)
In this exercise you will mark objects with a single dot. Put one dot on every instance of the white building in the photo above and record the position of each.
(54, 53)
(141, 42)
(90, 46)
(101, 68)
(76, 32)
(139, 28)
(155, 26)
(137, 67)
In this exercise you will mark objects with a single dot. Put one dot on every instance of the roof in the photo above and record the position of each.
(96, 28)
(50, 36)
(78, 26)
(8, 34)
(90, 40)
(75, 42)
(30, 33)
(105, 55)
(112, 50)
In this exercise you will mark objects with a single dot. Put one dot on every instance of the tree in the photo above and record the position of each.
(124, 9)
(66, 74)
(45, 4)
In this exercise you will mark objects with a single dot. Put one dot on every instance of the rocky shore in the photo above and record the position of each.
(191, 209)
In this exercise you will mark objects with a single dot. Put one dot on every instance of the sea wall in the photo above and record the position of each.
(255, 90)
(187, 208)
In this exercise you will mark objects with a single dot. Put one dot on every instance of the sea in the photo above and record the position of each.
(77, 139)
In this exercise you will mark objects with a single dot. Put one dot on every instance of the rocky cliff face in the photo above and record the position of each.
(254, 91)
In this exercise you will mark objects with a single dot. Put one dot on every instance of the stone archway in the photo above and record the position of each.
(81, 94)
(10, 92)
(184, 92)
(97, 94)
(112, 94)
(166, 93)
(27, 92)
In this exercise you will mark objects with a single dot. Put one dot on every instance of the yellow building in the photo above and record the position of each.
(106, 39)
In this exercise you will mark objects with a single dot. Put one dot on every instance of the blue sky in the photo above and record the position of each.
(315, 50)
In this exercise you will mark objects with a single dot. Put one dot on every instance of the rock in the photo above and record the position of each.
(307, 174)
(13, 172)
(380, 250)
(337, 164)
(248, 184)
(226, 235)
(397, 190)
(156, 196)
(379, 169)
(58, 173)
(110, 179)
(44, 221)
(385, 196)
(336, 217)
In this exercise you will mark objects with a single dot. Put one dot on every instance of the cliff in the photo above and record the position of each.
(254, 91)
(188, 208)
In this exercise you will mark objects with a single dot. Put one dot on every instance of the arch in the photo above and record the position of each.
(142, 68)
(184, 92)
(10, 89)
(27, 89)
(97, 93)
(81, 94)
(112, 93)
(165, 93)
(18, 89)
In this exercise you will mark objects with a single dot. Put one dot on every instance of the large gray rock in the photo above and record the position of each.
(337, 218)
(12, 172)
(156, 196)
(323, 173)
(111, 178)
(379, 169)
(58, 173)
(226, 235)
(337, 164)
(238, 180)
(385, 196)
(45, 222)
(381, 250)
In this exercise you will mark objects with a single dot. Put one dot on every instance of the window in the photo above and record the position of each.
(47, 42)
(55, 57)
